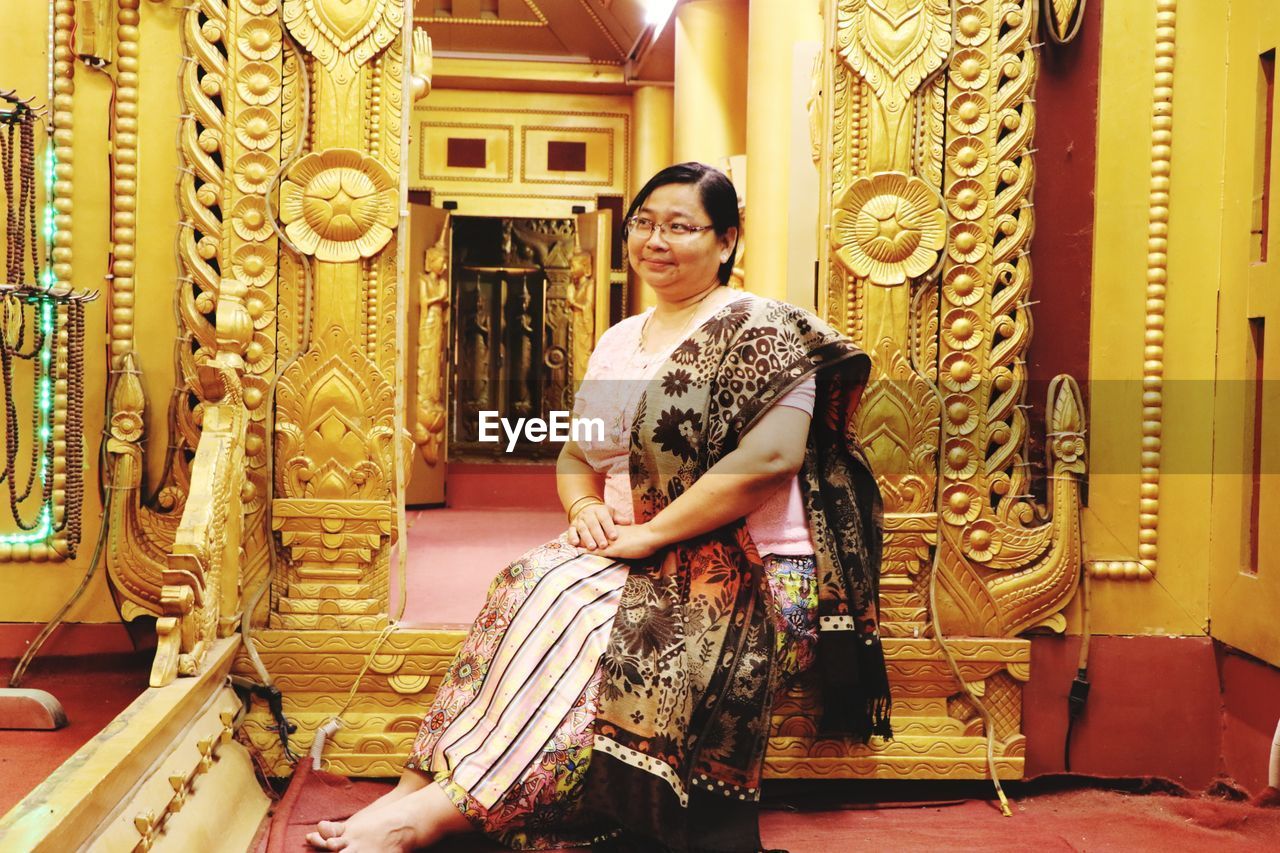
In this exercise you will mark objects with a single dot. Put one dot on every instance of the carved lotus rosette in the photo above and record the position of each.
(339, 205)
(888, 227)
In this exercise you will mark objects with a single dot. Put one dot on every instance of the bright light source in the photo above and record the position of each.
(656, 12)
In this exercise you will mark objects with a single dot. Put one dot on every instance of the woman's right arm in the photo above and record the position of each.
(592, 523)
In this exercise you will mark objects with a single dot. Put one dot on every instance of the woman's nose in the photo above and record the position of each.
(659, 236)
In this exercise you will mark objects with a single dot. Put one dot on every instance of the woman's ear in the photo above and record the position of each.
(729, 243)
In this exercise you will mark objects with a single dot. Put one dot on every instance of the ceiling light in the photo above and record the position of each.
(656, 12)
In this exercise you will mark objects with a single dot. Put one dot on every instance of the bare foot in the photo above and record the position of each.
(410, 781)
(418, 819)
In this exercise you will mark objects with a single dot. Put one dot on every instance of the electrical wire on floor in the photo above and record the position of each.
(988, 725)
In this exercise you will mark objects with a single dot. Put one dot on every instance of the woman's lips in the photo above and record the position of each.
(653, 262)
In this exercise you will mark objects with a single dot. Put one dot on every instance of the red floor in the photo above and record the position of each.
(455, 553)
(93, 689)
(844, 817)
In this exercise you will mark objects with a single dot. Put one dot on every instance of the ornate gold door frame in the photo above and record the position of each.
(928, 124)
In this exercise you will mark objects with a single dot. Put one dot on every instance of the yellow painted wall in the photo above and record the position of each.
(31, 592)
(1244, 598)
(1176, 601)
(1202, 583)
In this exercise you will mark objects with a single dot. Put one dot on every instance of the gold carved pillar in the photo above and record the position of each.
(887, 229)
(336, 433)
(926, 134)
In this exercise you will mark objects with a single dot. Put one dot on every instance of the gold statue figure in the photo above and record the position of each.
(433, 321)
(582, 302)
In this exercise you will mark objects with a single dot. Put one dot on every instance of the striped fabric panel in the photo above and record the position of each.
(545, 659)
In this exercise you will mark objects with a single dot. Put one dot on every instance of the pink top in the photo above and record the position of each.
(616, 377)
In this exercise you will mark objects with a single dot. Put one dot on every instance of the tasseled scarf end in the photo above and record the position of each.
(855, 688)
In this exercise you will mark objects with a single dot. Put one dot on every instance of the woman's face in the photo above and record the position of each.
(678, 267)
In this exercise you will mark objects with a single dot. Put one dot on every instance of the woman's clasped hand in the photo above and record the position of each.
(600, 530)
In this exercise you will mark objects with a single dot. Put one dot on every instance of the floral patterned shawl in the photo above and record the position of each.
(689, 673)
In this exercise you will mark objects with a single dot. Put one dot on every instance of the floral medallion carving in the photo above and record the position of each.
(343, 34)
(888, 227)
(339, 205)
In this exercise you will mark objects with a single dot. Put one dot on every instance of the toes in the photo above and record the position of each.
(330, 828)
(316, 841)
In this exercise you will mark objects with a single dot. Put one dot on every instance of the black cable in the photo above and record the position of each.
(1076, 699)
(275, 704)
(1079, 693)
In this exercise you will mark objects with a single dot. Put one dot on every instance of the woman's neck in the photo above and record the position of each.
(672, 308)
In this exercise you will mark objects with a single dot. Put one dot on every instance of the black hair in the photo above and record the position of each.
(718, 196)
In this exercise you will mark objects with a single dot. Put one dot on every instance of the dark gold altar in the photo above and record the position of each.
(325, 236)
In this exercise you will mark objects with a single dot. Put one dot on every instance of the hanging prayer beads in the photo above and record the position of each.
(42, 326)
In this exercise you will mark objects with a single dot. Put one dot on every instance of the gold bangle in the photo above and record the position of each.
(574, 510)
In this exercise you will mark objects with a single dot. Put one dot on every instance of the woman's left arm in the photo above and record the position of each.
(766, 458)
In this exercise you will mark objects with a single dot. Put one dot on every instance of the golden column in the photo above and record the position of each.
(711, 80)
(336, 433)
(652, 110)
(774, 26)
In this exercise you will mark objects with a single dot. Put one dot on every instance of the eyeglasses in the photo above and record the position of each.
(642, 227)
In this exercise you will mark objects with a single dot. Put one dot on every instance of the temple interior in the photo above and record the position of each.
(307, 244)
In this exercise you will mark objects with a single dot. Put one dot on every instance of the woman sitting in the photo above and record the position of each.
(722, 537)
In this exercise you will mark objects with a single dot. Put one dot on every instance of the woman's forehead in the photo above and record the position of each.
(675, 200)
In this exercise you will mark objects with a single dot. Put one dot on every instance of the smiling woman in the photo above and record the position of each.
(618, 681)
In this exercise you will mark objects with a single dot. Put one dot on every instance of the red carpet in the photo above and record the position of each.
(1044, 820)
(455, 553)
(93, 689)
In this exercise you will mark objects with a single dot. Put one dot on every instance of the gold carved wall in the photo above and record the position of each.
(289, 194)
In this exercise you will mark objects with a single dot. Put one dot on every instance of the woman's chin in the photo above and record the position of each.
(656, 272)
(661, 281)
